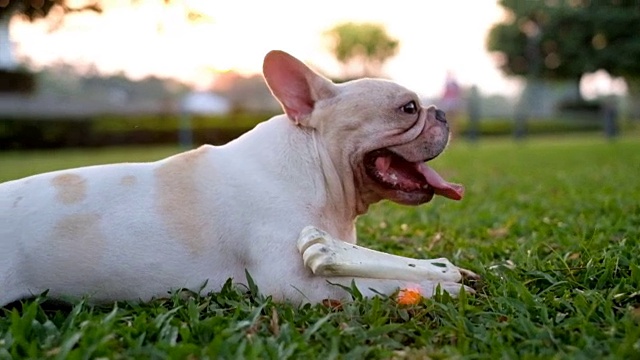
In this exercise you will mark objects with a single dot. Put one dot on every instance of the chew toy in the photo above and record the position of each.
(409, 296)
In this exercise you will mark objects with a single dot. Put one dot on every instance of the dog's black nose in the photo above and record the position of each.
(440, 116)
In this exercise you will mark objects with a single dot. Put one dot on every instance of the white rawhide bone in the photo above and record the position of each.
(326, 256)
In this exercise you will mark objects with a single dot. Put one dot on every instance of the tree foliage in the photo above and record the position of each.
(35, 9)
(563, 39)
(362, 48)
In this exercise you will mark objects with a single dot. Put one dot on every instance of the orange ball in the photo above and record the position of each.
(409, 296)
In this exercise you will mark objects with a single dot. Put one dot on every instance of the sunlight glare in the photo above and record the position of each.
(148, 38)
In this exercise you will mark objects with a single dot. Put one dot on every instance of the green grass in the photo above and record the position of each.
(551, 224)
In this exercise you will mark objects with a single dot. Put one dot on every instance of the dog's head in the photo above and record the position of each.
(376, 129)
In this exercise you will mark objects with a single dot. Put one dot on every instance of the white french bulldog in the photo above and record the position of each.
(136, 231)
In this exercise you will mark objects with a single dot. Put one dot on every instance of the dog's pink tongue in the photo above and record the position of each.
(440, 185)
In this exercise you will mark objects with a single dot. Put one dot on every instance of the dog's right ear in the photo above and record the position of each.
(295, 85)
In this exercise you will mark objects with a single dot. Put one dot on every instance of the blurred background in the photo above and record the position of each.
(87, 73)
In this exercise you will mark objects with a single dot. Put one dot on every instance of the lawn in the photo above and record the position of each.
(551, 224)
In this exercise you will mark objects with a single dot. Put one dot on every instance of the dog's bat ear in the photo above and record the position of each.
(295, 85)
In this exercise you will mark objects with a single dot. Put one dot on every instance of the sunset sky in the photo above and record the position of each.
(435, 37)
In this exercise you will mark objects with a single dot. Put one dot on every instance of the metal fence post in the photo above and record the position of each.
(610, 119)
(473, 109)
(185, 134)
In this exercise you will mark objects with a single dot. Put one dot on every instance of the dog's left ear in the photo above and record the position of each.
(295, 85)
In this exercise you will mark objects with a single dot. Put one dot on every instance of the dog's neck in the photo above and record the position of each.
(329, 191)
(341, 197)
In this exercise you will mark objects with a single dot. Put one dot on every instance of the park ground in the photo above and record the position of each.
(551, 224)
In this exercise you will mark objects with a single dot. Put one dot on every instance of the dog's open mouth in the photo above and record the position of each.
(393, 172)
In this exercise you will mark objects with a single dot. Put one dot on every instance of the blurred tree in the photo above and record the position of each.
(617, 38)
(32, 10)
(13, 79)
(564, 39)
(54, 11)
(361, 48)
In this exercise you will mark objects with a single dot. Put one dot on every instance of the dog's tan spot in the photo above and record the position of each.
(79, 230)
(128, 180)
(71, 188)
(78, 234)
(177, 198)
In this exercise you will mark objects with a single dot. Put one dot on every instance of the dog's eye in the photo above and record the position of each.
(410, 108)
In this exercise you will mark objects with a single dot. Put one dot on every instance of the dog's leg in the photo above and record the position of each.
(327, 256)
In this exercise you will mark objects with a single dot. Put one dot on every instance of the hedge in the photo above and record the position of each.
(148, 130)
(502, 127)
(116, 130)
